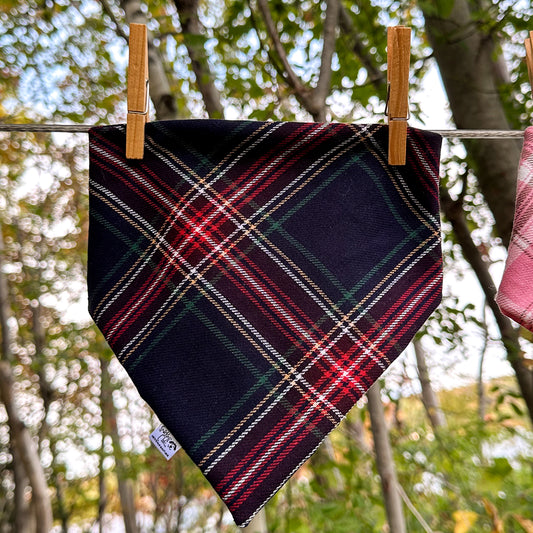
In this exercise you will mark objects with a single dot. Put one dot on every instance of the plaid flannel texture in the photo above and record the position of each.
(255, 279)
(515, 296)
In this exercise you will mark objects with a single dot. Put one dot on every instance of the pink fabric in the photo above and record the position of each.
(515, 296)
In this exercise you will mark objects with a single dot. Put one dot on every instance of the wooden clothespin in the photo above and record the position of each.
(137, 92)
(529, 59)
(398, 57)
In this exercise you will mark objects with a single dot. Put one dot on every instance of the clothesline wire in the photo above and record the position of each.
(84, 128)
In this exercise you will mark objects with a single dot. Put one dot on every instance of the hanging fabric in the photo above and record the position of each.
(255, 278)
(515, 296)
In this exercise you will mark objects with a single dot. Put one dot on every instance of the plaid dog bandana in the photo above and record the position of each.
(515, 296)
(255, 279)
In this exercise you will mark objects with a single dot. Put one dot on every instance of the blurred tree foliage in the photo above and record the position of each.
(65, 61)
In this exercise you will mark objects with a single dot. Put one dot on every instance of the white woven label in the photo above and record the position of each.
(163, 440)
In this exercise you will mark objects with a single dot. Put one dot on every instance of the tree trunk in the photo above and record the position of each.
(102, 492)
(429, 398)
(22, 440)
(22, 509)
(453, 211)
(356, 431)
(126, 491)
(125, 483)
(377, 77)
(105, 399)
(5, 308)
(62, 509)
(258, 524)
(385, 461)
(313, 100)
(45, 388)
(63, 506)
(164, 102)
(465, 56)
(192, 31)
(23, 515)
(482, 397)
(25, 452)
(322, 456)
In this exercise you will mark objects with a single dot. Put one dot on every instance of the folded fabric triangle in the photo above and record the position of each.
(515, 296)
(255, 279)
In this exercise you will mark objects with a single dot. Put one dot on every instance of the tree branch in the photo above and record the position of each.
(273, 59)
(413, 509)
(453, 210)
(192, 33)
(377, 77)
(328, 49)
(312, 99)
(118, 27)
(290, 76)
